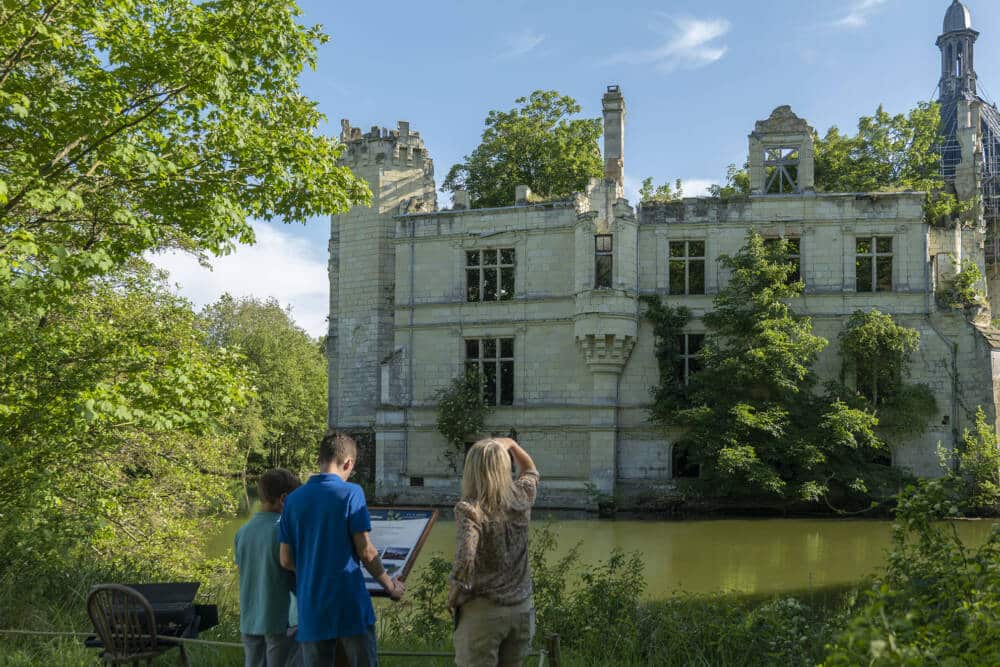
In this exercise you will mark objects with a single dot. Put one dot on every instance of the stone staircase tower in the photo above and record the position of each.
(362, 266)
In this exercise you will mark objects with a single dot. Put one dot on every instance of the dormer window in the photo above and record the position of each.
(781, 167)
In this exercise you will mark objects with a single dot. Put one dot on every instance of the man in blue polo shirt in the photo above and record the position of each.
(324, 535)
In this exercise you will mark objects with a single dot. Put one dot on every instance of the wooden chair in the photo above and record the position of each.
(126, 625)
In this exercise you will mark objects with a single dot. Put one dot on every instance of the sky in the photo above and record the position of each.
(696, 75)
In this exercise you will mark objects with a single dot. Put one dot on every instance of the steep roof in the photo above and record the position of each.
(957, 18)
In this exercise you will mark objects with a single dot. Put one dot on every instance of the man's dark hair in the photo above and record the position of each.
(275, 483)
(337, 447)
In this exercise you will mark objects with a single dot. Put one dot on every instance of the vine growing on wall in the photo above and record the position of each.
(668, 324)
(461, 414)
(964, 290)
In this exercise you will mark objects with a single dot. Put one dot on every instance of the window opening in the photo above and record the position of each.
(781, 166)
(681, 464)
(794, 254)
(873, 264)
(603, 261)
(489, 274)
(687, 267)
(688, 362)
(494, 359)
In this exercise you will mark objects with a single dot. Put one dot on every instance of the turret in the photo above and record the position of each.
(363, 265)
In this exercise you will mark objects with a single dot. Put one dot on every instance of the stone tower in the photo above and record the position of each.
(362, 266)
(970, 125)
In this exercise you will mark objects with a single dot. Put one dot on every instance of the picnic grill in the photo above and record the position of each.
(137, 621)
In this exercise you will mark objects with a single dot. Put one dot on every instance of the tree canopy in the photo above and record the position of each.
(142, 124)
(131, 126)
(287, 419)
(899, 152)
(536, 144)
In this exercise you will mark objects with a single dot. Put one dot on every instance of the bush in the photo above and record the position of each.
(938, 600)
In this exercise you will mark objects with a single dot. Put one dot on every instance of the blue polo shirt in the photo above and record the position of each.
(317, 523)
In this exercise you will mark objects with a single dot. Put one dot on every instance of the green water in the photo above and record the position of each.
(746, 555)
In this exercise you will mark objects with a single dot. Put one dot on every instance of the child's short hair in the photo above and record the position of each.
(275, 483)
(337, 447)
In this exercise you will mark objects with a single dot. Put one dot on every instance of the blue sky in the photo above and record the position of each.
(695, 75)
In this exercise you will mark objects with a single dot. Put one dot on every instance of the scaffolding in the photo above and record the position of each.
(989, 185)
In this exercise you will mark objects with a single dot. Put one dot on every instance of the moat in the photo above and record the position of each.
(703, 556)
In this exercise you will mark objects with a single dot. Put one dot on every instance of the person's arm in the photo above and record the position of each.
(466, 545)
(369, 557)
(522, 460)
(286, 558)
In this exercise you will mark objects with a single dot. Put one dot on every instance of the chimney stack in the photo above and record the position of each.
(614, 135)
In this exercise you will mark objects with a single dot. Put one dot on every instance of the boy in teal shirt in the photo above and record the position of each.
(265, 587)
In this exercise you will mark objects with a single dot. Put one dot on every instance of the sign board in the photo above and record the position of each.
(398, 533)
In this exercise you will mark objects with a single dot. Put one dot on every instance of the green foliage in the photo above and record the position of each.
(877, 351)
(461, 413)
(661, 193)
(945, 209)
(670, 394)
(133, 126)
(978, 476)
(965, 289)
(114, 413)
(888, 153)
(287, 419)
(938, 600)
(737, 184)
(751, 417)
(535, 144)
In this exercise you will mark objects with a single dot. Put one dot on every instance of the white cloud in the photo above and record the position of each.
(278, 265)
(689, 43)
(520, 44)
(858, 13)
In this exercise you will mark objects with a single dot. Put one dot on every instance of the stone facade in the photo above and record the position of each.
(414, 297)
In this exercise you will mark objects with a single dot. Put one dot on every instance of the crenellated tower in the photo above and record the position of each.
(362, 265)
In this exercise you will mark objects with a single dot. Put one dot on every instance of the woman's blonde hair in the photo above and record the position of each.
(486, 479)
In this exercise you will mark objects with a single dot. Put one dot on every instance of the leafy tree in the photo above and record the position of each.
(978, 475)
(876, 351)
(461, 413)
(888, 153)
(661, 193)
(751, 417)
(875, 354)
(535, 144)
(113, 426)
(132, 126)
(737, 183)
(288, 418)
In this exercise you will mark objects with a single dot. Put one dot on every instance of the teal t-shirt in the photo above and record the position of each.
(265, 587)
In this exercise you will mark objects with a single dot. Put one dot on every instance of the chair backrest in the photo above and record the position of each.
(123, 619)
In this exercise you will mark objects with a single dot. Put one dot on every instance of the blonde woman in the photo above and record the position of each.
(490, 580)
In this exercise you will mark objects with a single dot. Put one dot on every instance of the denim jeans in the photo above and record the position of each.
(360, 650)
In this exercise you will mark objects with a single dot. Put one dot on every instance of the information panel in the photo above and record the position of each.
(398, 533)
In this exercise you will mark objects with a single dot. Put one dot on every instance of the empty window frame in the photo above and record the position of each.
(681, 464)
(489, 274)
(603, 261)
(781, 169)
(688, 362)
(873, 264)
(687, 267)
(794, 250)
(494, 359)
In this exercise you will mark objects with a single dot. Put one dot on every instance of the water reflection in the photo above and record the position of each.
(747, 555)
